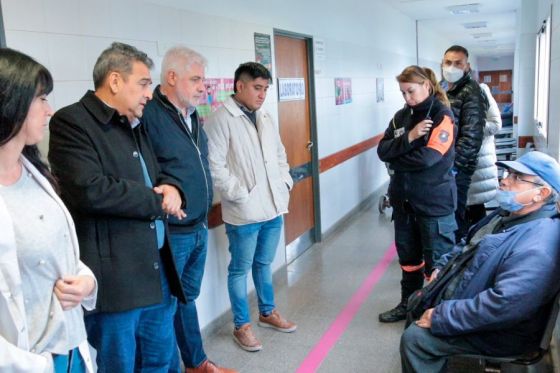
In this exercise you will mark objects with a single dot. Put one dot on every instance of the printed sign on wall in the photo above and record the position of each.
(343, 90)
(263, 51)
(217, 90)
(290, 89)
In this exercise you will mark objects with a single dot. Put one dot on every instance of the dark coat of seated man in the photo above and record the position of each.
(495, 298)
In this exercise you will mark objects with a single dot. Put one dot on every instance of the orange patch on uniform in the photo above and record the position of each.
(441, 138)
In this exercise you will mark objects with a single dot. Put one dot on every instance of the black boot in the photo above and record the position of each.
(411, 281)
(396, 314)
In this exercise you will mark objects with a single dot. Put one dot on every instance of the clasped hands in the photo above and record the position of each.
(172, 201)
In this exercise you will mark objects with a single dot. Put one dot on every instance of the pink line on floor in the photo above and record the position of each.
(337, 328)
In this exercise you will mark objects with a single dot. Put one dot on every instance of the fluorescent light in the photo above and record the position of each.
(457, 10)
(482, 35)
(475, 25)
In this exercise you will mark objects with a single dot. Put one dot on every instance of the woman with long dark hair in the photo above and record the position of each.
(418, 147)
(43, 283)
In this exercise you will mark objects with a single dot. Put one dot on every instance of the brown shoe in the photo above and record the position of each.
(246, 339)
(275, 321)
(210, 367)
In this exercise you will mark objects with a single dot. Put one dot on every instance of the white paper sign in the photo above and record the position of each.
(290, 89)
(320, 49)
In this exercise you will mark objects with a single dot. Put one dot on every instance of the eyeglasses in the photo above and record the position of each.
(516, 177)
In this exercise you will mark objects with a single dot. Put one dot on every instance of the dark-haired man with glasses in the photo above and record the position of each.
(492, 293)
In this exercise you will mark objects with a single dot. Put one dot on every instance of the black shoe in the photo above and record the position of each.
(396, 314)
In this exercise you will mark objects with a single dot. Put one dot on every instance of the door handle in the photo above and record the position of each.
(309, 145)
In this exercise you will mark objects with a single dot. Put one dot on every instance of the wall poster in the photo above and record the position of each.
(263, 51)
(217, 90)
(342, 91)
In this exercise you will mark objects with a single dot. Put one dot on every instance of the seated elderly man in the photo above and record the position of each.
(492, 293)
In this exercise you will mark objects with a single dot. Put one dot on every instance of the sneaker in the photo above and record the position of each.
(396, 314)
(275, 321)
(246, 339)
(209, 367)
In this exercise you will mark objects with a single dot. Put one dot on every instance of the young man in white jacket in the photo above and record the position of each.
(250, 171)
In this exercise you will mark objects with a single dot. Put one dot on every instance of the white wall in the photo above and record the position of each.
(554, 98)
(431, 47)
(495, 63)
(364, 41)
(529, 19)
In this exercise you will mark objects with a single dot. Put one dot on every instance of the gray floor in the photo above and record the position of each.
(312, 291)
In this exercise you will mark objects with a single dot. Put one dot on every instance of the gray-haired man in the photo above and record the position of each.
(180, 144)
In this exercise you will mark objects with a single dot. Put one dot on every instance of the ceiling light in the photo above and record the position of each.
(475, 25)
(482, 35)
(458, 10)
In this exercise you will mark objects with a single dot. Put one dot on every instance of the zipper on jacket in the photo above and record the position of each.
(195, 144)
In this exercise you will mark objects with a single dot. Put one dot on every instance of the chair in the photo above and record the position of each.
(532, 362)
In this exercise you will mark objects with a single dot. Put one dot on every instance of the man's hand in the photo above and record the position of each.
(434, 275)
(171, 200)
(426, 319)
(71, 290)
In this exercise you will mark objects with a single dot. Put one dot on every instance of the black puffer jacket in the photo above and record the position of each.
(469, 108)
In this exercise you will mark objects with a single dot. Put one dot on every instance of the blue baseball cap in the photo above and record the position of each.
(537, 164)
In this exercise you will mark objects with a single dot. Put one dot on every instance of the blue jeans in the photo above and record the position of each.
(138, 340)
(252, 246)
(189, 250)
(421, 351)
(71, 363)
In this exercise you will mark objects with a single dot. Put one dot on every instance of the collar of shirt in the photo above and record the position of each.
(135, 122)
(241, 106)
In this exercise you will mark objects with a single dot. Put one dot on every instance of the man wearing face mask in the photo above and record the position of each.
(492, 293)
(469, 107)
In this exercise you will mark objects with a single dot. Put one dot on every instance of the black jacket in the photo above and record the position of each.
(94, 154)
(469, 106)
(182, 155)
(422, 169)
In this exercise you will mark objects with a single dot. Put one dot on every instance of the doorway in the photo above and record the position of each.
(296, 117)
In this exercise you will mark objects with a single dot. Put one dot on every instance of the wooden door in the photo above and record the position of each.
(500, 83)
(294, 122)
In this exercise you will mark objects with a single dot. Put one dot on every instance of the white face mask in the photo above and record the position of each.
(452, 74)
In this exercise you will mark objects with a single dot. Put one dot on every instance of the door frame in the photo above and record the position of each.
(2, 33)
(316, 230)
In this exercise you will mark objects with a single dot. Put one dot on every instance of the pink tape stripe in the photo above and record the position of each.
(321, 350)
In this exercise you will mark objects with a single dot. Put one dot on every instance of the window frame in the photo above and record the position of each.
(542, 79)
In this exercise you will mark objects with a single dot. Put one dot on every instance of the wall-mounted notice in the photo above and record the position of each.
(342, 91)
(320, 49)
(290, 89)
(380, 89)
(217, 90)
(263, 52)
